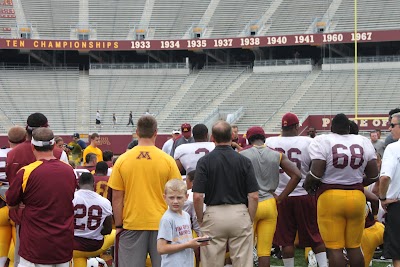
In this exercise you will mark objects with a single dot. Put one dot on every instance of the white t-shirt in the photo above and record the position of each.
(346, 157)
(167, 147)
(391, 168)
(78, 172)
(296, 149)
(189, 154)
(90, 211)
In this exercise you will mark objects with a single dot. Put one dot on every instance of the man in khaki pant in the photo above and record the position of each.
(231, 194)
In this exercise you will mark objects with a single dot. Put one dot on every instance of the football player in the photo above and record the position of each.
(339, 161)
(187, 155)
(93, 222)
(298, 212)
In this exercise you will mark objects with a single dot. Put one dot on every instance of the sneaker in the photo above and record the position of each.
(312, 260)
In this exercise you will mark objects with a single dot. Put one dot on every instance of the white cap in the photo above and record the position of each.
(176, 132)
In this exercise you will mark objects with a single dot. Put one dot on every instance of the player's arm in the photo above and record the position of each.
(313, 178)
(107, 226)
(371, 173)
(373, 200)
(14, 193)
(180, 166)
(295, 176)
(117, 205)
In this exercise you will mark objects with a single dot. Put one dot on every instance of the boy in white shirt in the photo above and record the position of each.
(174, 241)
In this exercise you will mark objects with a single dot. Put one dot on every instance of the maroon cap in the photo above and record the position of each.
(253, 131)
(186, 127)
(289, 119)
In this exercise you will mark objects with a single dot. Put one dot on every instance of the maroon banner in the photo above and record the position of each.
(364, 122)
(198, 44)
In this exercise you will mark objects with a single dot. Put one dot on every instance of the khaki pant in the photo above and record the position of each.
(227, 224)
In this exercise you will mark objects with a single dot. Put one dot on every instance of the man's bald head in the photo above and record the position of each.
(16, 135)
(45, 138)
(222, 132)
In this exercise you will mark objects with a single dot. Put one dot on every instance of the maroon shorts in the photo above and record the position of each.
(298, 214)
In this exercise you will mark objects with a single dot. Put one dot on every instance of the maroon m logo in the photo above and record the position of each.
(143, 155)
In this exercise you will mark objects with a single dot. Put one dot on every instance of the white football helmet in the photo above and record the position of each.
(96, 262)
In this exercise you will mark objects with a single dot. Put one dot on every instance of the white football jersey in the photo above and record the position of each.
(189, 154)
(90, 211)
(346, 157)
(296, 149)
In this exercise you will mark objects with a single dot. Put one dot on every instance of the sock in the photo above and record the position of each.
(289, 262)
(3, 261)
(322, 259)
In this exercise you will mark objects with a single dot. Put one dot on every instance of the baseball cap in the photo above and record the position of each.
(76, 135)
(254, 131)
(186, 127)
(289, 119)
(176, 132)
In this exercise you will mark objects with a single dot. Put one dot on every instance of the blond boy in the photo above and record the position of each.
(174, 241)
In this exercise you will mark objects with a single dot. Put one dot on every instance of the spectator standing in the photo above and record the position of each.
(130, 122)
(98, 119)
(185, 138)
(137, 181)
(167, 147)
(93, 147)
(231, 194)
(379, 145)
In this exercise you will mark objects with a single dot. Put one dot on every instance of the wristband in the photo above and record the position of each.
(382, 198)
(119, 226)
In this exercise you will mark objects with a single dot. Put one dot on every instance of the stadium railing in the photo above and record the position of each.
(283, 62)
(343, 60)
(140, 66)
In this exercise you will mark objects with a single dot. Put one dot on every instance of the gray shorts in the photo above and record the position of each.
(131, 248)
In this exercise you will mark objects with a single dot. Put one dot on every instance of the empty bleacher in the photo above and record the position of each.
(372, 15)
(113, 20)
(333, 92)
(262, 94)
(171, 19)
(52, 91)
(208, 84)
(52, 19)
(232, 16)
(121, 94)
(296, 16)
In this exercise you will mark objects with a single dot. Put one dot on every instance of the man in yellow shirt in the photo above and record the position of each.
(93, 147)
(137, 181)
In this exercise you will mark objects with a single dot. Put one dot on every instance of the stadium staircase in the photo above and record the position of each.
(200, 117)
(172, 18)
(172, 105)
(83, 109)
(264, 21)
(329, 14)
(296, 16)
(232, 16)
(209, 84)
(274, 123)
(205, 20)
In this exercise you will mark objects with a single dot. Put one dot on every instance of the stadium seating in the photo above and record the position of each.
(159, 19)
(51, 19)
(52, 91)
(113, 20)
(296, 16)
(371, 15)
(121, 94)
(171, 19)
(70, 98)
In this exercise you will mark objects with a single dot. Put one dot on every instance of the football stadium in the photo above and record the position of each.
(99, 66)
